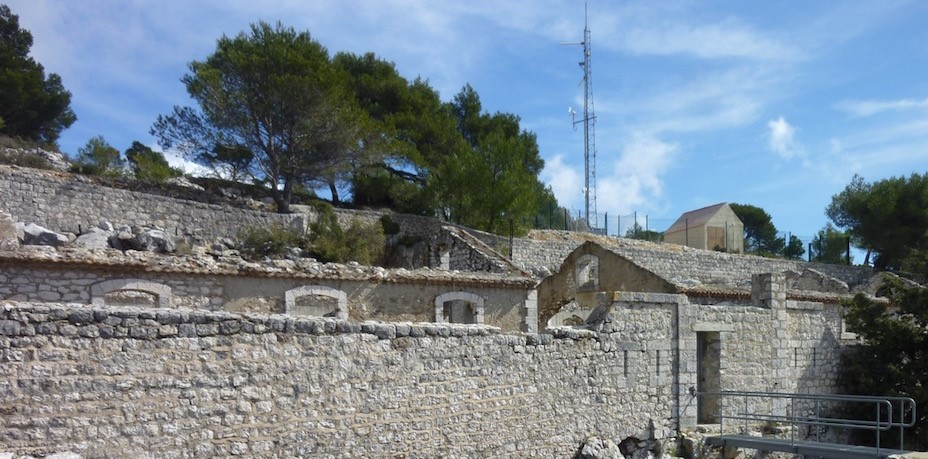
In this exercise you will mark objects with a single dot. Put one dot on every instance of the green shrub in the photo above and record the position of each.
(98, 157)
(330, 243)
(147, 164)
(269, 241)
(389, 226)
(327, 241)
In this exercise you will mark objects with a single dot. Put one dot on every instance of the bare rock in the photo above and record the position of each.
(598, 448)
(37, 235)
(9, 233)
(184, 182)
(95, 239)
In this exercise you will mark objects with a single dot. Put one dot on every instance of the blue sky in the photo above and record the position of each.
(776, 104)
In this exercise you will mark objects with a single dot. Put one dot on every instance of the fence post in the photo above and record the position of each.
(635, 225)
(565, 220)
(551, 215)
(510, 238)
(810, 251)
(686, 232)
(606, 223)
(847, 250)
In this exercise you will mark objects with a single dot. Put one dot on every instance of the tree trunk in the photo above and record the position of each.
(334, 192)
(282, 197)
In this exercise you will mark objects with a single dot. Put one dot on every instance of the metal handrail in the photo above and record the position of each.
(883, 419)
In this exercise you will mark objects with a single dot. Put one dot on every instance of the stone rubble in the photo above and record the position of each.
(37, 235)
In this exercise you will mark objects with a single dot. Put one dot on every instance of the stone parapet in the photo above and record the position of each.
(128, 382)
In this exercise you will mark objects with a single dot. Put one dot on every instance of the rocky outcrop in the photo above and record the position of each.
(53, 160)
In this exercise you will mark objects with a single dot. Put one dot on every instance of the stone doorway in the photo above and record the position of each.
(708, 376)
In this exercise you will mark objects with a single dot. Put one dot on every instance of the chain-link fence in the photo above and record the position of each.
(834, 248)
(634, 225)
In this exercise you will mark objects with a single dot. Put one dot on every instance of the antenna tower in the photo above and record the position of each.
(589, 124)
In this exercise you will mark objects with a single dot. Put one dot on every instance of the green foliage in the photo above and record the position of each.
(32, 105)
(830, 246)
(270, 241)
(147, 164)
(888, 217)
(637, 232)
(98, 157)
(412, 131)
(389, 226)
(328, 242)
(274, 93)
(794, 250)
(893, 358)
(760, 236)
(233, 162)
(441, 158)
(503, 158)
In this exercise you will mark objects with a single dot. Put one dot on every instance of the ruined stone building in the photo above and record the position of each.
(463, 352)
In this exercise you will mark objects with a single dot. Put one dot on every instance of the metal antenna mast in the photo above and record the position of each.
(589, 123)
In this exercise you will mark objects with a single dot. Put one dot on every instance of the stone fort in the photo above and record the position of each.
(458, 351)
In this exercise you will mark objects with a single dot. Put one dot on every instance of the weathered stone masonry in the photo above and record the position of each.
(168, 383)
(123, 382)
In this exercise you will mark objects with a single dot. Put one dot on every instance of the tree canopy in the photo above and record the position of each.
(32, 106)
(830, 246)
(760, 235)
(273, 93)
(438, 158)
(893, 357)
(888, 218)
(794, 249)
(273, 105)
(147, 164)
(98, 157)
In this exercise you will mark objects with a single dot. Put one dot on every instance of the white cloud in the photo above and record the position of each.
(176, 159)
(716, 100)
(635, 181)
(864, 108)
(565, 181)
(782, 138)
(725, 39)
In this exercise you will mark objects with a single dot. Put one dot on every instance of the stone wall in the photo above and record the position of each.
(670, 261)
(124, 382)
(507, 305)
(67, 202)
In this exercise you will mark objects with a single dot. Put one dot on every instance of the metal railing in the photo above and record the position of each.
(883, 412)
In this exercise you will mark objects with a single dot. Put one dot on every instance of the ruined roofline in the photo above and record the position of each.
(147, 262)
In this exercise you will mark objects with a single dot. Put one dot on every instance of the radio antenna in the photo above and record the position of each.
(589, 124)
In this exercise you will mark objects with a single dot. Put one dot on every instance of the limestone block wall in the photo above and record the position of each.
(511, 307)
(125, 382)
(66, 202)
(704, 265)
(50, 284)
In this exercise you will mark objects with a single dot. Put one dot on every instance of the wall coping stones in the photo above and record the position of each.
(19, 318)
(134, 261)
